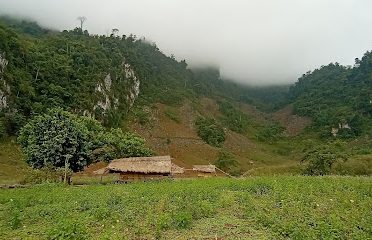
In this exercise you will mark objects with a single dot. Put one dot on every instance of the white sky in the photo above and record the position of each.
(253, 41)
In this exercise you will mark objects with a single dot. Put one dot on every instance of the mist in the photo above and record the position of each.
(256, 42)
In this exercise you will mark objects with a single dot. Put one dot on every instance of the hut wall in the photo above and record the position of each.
(139, 176)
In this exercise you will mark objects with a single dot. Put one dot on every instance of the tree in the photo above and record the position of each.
(321, 159)
(210, 131)
(117, 144)
(56, 139)
(114, 32)
(82, 19)
(227, 163)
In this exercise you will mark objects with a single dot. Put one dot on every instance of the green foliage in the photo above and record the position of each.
(142, 116)
(210, 131)
(227, 163)
(55, 137)
(173, 115)
(321, 159)
(116, 144)
(2, 129)
(334, 95)
(281, 207)
(68, 230)
(233, 118)
(270, 133)
(50, 139)
(43, 175)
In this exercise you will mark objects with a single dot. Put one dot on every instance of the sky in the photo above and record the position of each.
(257, 42)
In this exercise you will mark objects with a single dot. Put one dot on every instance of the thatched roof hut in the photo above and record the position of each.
(204, 168)
(145, 165)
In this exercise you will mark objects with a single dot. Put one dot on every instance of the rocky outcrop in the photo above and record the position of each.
(334, 131)
(133, 84)
(124, 90)
(4, 88)
(104, 89)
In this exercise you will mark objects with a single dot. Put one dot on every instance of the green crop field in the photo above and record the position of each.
(216, 208)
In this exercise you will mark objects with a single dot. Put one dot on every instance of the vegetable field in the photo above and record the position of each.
(217, 208)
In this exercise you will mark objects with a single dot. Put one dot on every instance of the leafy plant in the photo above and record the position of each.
(68, 230)
(321, 159)
(227, 162)
(117, 144)
(210, 131)
(270, 133)
(173, 115)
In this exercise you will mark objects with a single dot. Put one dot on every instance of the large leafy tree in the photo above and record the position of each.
(55, 139)
(60, 139)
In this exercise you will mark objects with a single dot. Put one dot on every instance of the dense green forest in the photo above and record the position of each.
(108, 77)
(98, 75)
(338, 97)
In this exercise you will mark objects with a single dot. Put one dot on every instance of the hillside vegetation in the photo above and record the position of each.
(194, 115)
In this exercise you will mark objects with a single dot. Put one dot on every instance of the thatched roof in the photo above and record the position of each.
(204, 168)
(159, 164)
(177, 169)
(100, 171)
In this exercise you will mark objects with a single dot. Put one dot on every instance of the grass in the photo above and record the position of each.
(12, 166)
(296, 207)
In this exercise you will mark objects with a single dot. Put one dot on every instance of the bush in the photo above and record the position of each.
(270, 133)
(116, 144)
(321, 159)
(2, 130)
(227, 163)
(210, 131)
(233, 118)
(173, 115)
(68, 230)
(47, 174)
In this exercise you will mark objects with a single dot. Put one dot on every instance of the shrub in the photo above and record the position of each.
(227, 163)
(46, 174)
(233, 118)
(182, 220)
(173, 115)
(116, 144)
(321, 159)
(2, 129)
(68, 230)
(270, 133)
(210, 131)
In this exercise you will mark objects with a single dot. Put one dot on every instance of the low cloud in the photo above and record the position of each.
(255, 42)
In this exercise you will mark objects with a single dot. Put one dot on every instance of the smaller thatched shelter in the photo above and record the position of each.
(100, 171)
(177, 169)
(204, 168)
(141, 167)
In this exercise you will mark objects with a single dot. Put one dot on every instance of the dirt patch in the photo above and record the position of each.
(293, 124)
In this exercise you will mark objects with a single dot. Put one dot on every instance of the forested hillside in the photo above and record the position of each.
(337, 97)
(97, 75)
(193, 114)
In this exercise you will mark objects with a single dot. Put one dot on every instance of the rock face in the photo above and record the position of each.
(133, 84)
(104, 89)
(123, 90)
(334, 131)
(4, 88)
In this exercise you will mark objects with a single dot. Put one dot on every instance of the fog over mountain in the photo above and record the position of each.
(255, 42)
